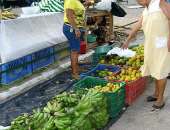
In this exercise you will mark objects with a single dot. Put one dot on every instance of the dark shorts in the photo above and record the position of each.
(74, 42)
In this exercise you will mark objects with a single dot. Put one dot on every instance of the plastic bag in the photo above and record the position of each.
(104, 5)
(117, 10)
(122, 52)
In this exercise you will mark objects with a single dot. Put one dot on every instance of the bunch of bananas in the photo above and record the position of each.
(7, 14)
(67, 111)
(21, 122)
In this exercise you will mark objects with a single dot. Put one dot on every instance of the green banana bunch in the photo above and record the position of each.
(50, 125)
(67, 99)
(67, 111)
(52, 107)
(63, 122)
(21, 122)
(100, 118)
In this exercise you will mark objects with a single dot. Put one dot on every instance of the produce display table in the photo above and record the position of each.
(28, 34)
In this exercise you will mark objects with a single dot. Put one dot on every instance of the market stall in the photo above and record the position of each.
(28, 34)
(112, 81)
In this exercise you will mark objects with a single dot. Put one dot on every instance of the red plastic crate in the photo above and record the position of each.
(83, 47)
(135, 89)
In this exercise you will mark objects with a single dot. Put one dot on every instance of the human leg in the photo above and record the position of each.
(74, 64)
(161, 87)
(74, 49)
(161, 84)
(155, 94)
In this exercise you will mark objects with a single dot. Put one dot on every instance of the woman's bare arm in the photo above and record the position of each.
(133, 33)
(72, 20)
(165, 6)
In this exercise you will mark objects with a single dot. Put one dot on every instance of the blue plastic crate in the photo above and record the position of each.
(16, 73)
(42, 58)
(92, 72)
(62, 51)
(62, 54)
(0, 73)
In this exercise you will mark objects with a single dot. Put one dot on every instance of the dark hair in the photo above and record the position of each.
(82, 1)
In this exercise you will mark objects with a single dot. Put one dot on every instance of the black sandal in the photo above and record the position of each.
(151, 99)
(158, 107)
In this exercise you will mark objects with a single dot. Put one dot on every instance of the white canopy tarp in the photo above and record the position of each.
(25, 35)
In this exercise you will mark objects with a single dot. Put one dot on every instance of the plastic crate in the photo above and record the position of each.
(42, 58)
(62, 54)
(0, 72)
(97, 57)
(92, 72)
(116, 100)
(135, 89)
(61, 46)
(85, 67)
(14, 71)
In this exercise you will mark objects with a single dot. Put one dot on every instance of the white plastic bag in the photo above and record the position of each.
(104, 5)
(122, 52)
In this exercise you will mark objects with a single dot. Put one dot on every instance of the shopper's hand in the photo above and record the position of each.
(125, 45)
(78, 33)
(169, 44)
(87, 3)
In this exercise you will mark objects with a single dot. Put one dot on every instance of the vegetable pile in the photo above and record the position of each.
(80, 110)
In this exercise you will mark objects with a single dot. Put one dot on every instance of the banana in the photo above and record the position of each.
(47, 110)
(6, 14)
(40, 117)
(58, 124)
(59, 114)
(50, 107)
(46, 115)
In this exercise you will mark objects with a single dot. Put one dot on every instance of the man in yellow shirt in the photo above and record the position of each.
(74, 19)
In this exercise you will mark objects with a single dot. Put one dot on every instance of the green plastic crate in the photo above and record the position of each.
(103, 49)
(116, 100)
(89, 82)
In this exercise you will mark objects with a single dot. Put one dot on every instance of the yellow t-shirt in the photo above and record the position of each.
(79, 10)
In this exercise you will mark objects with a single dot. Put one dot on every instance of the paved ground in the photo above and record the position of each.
(132, 14)
(139, 115)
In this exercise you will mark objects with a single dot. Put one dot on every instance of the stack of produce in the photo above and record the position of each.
(136, 61)
(103, 73)
(138, 49)
(7, 14)
(84, 110)
(127, 74)
(110, 87)
(114, 60)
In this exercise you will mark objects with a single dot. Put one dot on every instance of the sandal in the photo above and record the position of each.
(151, 99)
(158, 107)
(168, 77)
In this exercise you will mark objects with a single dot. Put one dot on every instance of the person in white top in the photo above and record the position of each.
(155, 22)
